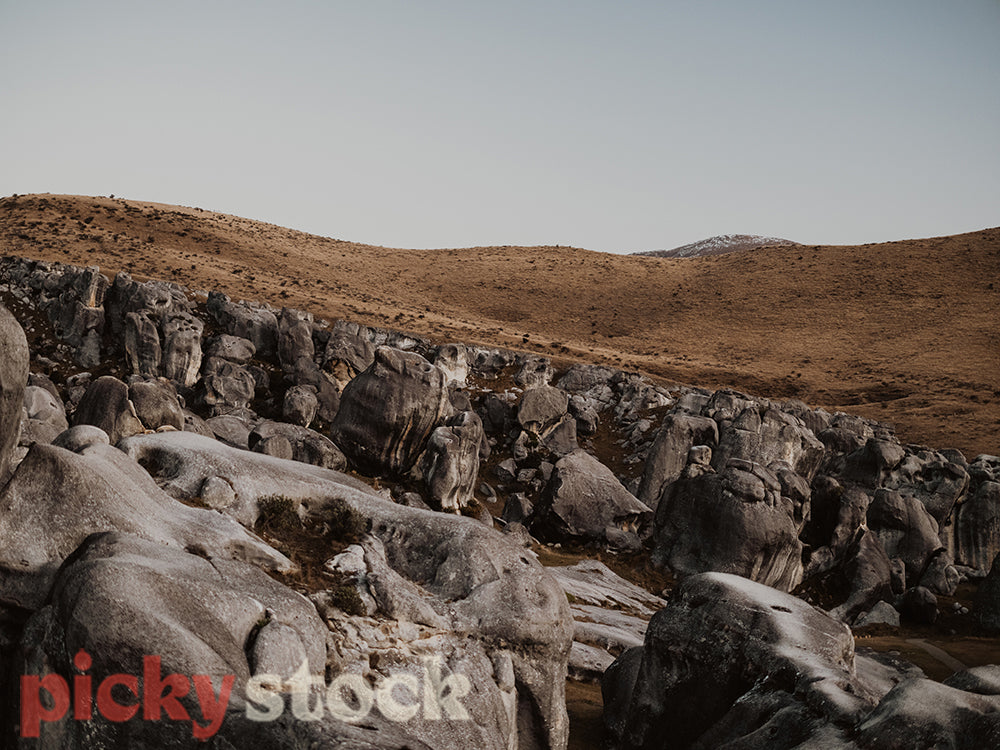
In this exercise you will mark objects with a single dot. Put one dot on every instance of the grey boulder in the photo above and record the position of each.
(450, 464)
(106, 405)
(387, 413)
(586, 502)
(13, 378)
(734, 522)
(57, 498)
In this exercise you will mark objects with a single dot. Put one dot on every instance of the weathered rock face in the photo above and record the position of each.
(977, 527)
(45, 416)
(610, 616)
(451, 461)
(586, 501)
(349, 351)
(13, 379)
(987, 609)
(182, 348)
(669, 454)
(106, 405)
(731, 663)
(963, 718)
(58, 497)
(160, 335)
(535, 372)
(226, 387)
(245, 320)
(906, 529)
(214, 617)
(767, 438)
(541, 408)
(72, 298)
(388, 412)
(734, 522)
(294, 337)
(232, 348)
(142, 344)
(453, 359)
(156, 404)
(304, 445)
(480, 583)
(309, 375)
(300, 405)
(867, 572)
(718, 636)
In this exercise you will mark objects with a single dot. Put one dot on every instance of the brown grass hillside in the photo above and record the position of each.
(905, 332)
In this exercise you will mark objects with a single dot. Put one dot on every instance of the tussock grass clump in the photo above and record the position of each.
(277, 515)
(346, 597)
(344, 523)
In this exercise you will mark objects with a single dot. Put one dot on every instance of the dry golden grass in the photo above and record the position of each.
(905, 332)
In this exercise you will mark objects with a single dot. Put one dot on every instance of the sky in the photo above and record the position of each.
(613, 126)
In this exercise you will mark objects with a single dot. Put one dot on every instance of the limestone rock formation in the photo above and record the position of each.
(388, 412)
(106, 405)
(585, 501)
(732, 663)
(451, 461)
(13, 379)
(57, 498)
(737, 521)
(482, 584)
(668, 455)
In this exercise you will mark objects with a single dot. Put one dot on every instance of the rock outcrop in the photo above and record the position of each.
(585, 501)
(387, 413)
(13, 379)
(729, 662)
(737, 521)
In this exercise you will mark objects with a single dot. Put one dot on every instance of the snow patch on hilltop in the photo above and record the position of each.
(719, 245)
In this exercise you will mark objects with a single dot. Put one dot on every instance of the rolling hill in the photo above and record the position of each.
(905, 332)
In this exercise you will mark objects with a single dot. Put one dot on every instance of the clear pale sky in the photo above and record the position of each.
(614, 126)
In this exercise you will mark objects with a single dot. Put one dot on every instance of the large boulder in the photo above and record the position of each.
(13, 378)
(728, 658)
(226, 387)
(541, 408)
(156, 404)
(737, 521)
(308, 374)
(246, 320)
(731, 663)
(483, 584)
(106, 405)
(304, 444)
(388, 412)
(669, 453)
(349, 351)
(294, 337)
(142, 344)
(767, 436)
(182, 348)
(233, 348)
(127, 605)
(58, 497)
(45, 416)
(977, 527)
(962, 714)
(906, 529)
(584, 501)
(450, 465)
(300, 405)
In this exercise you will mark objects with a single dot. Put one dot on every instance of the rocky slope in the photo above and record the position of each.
(902, 332)
(318, 508)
